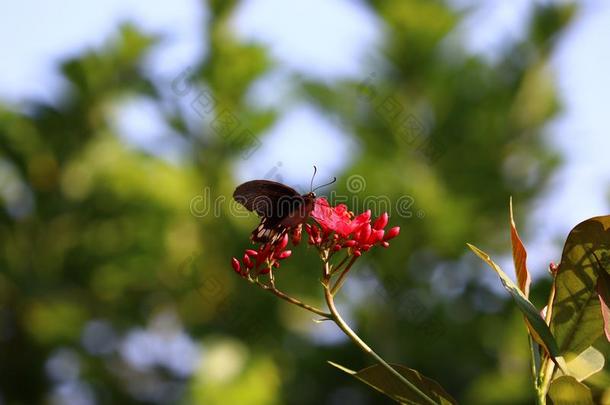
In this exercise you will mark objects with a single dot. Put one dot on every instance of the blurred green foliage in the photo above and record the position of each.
(96, 232)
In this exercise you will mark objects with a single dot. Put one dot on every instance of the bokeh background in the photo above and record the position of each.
(125, 126)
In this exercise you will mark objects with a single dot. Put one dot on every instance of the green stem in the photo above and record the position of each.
(549, 305)
(360, 343)
(546, 374)
(338, 266)
(534, 365)
(294, 301)
(547, 367)
(342, 276)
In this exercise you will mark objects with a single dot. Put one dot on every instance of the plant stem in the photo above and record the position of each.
(547, 367)
(341, 278)
(294, 301)
(535, 366)
(546, 375)
(549, 305)
(356, 339)
(338, 266)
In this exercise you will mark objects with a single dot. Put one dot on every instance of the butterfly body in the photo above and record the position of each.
(280, 207)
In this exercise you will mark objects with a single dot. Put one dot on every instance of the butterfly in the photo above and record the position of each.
(280, 207)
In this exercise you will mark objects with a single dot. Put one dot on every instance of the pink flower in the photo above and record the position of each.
(338, 219)
(337, 229)
(340, 229)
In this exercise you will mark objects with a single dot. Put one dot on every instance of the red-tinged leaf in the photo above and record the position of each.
(576, 316)
(384, 381)
(519, 256)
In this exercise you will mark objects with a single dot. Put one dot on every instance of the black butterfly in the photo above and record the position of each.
(280, 207)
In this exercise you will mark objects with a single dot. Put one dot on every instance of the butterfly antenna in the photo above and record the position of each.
(315, 170)
(327, 184)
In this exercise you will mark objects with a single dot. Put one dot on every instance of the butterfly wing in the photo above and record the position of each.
(263, 196)
(290, 212)
(273, 202)
(269, 230)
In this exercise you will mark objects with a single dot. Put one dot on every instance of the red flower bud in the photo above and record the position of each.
(357, 253)
(350, 243)
(251, 252)
(385, 244)
(315, 231)
(282, 243)
(381, 222)
(392, 233)
(284, 254)
(247, 261)
(263, 254)
(326, 233)
(235, 264)
(336, 248)
(296, 235)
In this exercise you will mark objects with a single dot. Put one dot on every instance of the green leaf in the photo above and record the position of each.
(387, 383)
(585, 364)
(566, 390)
(576, 319)
(536, 325)
(603, 293)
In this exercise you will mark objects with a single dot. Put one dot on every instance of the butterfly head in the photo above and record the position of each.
(310, 199)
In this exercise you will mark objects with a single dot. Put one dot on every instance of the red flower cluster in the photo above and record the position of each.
(340, 229)
(262, 260)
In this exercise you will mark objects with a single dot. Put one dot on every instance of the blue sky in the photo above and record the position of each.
(34, 35)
